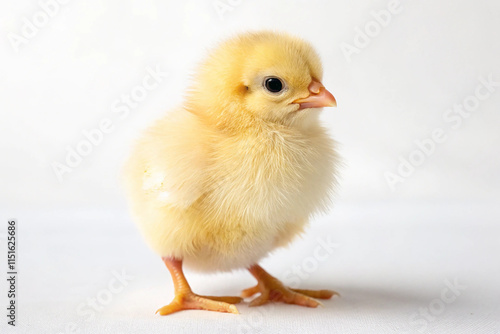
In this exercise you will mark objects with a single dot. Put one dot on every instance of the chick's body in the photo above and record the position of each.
(239, 169)
(222, 201)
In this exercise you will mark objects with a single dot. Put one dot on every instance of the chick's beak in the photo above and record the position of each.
(318, 97)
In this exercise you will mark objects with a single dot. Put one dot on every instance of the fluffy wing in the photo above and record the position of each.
(169, 162)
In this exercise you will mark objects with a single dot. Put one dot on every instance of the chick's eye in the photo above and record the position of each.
(274, 85)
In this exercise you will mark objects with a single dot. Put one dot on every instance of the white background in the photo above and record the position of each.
(395, 91)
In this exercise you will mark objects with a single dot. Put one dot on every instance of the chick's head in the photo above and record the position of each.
(260, 76)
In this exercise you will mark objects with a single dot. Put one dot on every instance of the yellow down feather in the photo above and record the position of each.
(235, 172)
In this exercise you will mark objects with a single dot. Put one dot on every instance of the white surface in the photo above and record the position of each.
(396, 247)
(390, 260)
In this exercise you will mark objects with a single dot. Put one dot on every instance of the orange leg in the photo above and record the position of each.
(271, 289)
(185, 299)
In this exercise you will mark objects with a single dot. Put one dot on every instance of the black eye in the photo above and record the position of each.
(274, 85)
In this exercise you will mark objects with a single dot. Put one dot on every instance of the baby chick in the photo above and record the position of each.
(237, 171)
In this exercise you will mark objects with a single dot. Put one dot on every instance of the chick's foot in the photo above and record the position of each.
(185, 299)
(192, 301)
(271, 289)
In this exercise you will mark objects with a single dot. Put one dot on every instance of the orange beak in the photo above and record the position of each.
(318, 97)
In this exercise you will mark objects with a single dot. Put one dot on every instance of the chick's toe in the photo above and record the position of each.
(192, 301)
(271, 289)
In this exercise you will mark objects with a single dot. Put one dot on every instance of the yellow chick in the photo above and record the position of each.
(238, 170)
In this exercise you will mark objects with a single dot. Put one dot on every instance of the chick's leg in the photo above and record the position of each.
(185, 299)
(271, 289)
